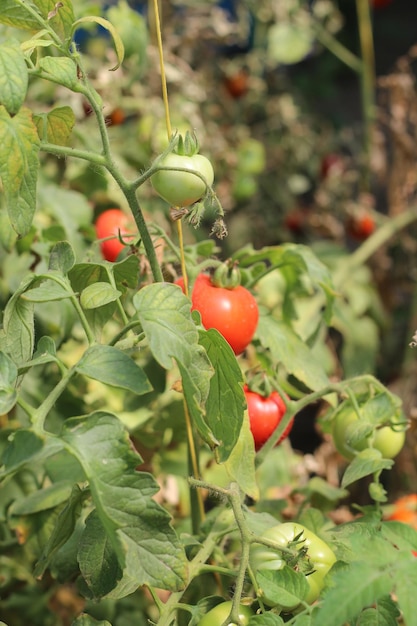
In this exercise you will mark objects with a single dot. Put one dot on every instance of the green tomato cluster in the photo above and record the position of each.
(218, 615)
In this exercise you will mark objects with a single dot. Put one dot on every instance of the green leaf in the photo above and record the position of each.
(60, 15)
(384, 613)
(285, 586)
(118, 43)
(241, 463)
(13, 76)
(138, 529)
(113, 367)
(353, 589)
(56, 126)
(19, 163)
(364, 464)
(8, 379)
(60, 70)
(405, 586)
(225, 403)
(48, 291)
(81, 276)
(46, 498)
(13, 14)
(292, 352)
(45, 353)
(22, 446)
(18, 324)
(125, 272)
(98, 294)
(63, 529)
(61, 258)
(165, 314)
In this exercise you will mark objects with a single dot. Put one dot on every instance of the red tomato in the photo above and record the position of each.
(265, 413)
(405, 510)
(237, 84)
(361, 227)
(109, 224)
(233, 312)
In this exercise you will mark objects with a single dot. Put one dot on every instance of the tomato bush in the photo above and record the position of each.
(265, 413)
(312, 557)
(111, 225)
(135, 488)
(233, 312)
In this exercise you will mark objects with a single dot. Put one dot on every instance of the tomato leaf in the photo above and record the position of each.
(266, 619)
(87, 620)
(136, 535)
(19, 163)
(60, 70)
(8, 378)
(291, 351)
(241, 463)
(285, 586)
(62, 257)
(165, 315)
(56, 126)
(384, 613)
(18, 324)
(226, 401)
(13, 77)
(364, 464)
(98, 294)
(113, 367)
(23, 447)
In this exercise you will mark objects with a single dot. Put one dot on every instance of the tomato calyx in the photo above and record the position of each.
(187, 145)
(227, 275)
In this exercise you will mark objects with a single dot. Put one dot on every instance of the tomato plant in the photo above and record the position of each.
(265, 413)
(388, 440)
(218, 615)
(181, 188)
(110, 225)
(311, 556)
(231, 311)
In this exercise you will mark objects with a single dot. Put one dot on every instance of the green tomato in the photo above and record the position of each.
(387, 440)
(179, 188)
(251, 157)
(217, 616)
(318, 557)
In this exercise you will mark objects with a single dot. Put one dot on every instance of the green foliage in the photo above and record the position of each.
(131, 488)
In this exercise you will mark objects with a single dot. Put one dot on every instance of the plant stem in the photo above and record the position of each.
(41, 413)
(338, 49)
(367, 80)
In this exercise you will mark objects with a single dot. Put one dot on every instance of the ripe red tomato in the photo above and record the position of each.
(233, 312)
(265, 413)
(109, 224)
(361, 227)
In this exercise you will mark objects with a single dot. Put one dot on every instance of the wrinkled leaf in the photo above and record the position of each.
(56, 126)
(13, 76)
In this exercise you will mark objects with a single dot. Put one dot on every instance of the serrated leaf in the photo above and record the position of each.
(225, 403)
(118, 43)
(113, 367)
(384, 613)
(165, 314)
(98, 294)
(8, 379)
(285, 586)
(364, 464)
(60, 70)
(291, 351)
(13, 76)
(19, 163)
(56, 126)
(138, 529)
(345, 599)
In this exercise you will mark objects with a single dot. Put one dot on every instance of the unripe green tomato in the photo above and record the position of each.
(319, 554)
(388, 441)
(217, 616)
(179, 188)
